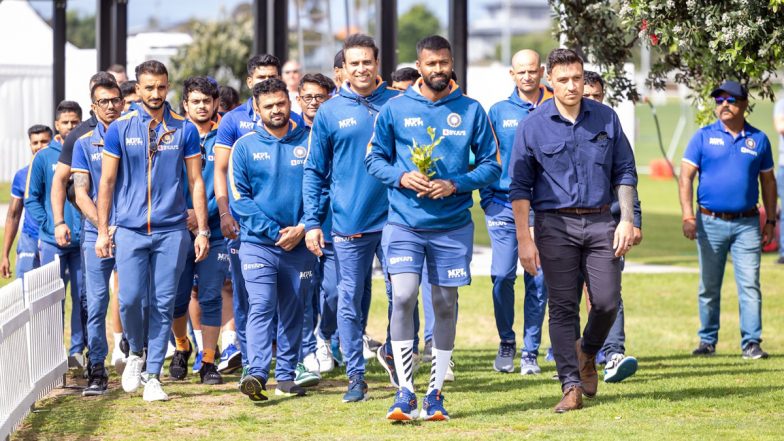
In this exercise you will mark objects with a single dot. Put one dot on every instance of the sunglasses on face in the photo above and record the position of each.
(729, 100)
(153, 143)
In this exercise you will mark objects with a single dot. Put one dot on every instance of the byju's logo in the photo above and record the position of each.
(252, 266)
(401, 259)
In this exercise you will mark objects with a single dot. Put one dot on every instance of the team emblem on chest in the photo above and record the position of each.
(750, 144)
(454, 120)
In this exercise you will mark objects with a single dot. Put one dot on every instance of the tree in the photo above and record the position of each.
(414, 25)
(699, 43)
(80, 29)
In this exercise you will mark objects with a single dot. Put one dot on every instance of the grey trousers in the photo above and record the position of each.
(571, 246)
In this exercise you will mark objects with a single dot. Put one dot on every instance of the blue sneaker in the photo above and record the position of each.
(231, 359)
(601, 357)
(619, 367)
(433, 407)
(405, 406)
(549, 356)
(357, 390)
(197, 362)
(336, 354)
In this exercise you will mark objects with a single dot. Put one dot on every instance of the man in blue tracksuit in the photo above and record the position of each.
(144, 154)
(429, 217)
(505, 115)
(233, 125)
(266, 193)
(86, 169)
(338, 142)
(39, 206)
(200, 100)
(27, 248)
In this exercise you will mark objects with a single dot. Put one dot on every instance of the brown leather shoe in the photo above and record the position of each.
(572, 400)
(588, 375)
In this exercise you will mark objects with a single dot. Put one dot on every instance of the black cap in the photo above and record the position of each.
(732, 88)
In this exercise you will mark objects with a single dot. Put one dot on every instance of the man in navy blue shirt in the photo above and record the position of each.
(730, 156)
(568, 158)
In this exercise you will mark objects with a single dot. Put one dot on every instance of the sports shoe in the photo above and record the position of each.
(753, 351)
(504, 360)
(324, 355)
(311, 363)
(549, 356)
(367, 353)
(131, 377)
(125, 347)
(704, 349)
(427, 353)
(254, 387)
(387, 361)
(450, 371)
(619, 367)
(118, 361)
(143, 377)
(337, 353)
(231, 359)
(208, 374)
(243, 374)
(77, 361)
(405, 406)
(601, 357)
(153, 391)
(289, 389)
(304, 377)
(197, 362)
(357, 390)
(433, 407)
(528, 364)
(178, 366)
(98, 383)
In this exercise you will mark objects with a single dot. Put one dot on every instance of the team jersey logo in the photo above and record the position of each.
(262, 156)
(130, 142)
(495, 223)
(305, 275)
(246, 125)
(750, 143)
(413, 122)
(300, 152)
(348, 122)
(508, 123)
(167, 138)
(95, 156)
(223, 257)
(456, 273)
(715, 141)
(401, 259)
(252, 266)
(454, 120)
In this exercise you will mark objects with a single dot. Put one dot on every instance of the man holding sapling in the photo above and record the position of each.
(420, 150)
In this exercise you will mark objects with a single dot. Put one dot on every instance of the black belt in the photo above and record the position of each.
(730, 216)
(580, 211)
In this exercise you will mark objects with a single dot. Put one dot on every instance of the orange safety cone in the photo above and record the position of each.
(660, 169)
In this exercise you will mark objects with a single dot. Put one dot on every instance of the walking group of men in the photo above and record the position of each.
(260, 225)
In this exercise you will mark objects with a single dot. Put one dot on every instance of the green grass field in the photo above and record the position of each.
(673, 396)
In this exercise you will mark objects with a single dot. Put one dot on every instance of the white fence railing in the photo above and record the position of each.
(32, 353)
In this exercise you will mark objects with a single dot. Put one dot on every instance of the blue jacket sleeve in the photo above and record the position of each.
(226, 131)
(315, 175)
(485, 148)
(111, 141)
(381, 151)
(521, 167)
(35, 192)
(251, 217)
(624, 170)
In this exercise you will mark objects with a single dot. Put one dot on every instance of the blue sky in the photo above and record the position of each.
(174, 11)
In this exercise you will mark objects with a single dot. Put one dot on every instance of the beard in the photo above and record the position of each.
(276, 124)
(151, 106)
(437, 82)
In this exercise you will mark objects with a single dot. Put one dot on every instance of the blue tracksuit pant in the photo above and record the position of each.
(27, 257)
(70, 270)
(503, 273)
(158, 258)
(276, 281)
(239, 296)
(96, 273)
(328, 292)
(209, 275)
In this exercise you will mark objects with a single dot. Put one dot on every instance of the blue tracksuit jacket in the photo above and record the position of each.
(87, 156)
(239, 121)
(338, 143)
(464, 126)
(38, 203)
(265, 182)
(149, 195)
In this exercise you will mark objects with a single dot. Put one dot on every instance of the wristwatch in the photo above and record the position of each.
(770, 222)
(205, 233)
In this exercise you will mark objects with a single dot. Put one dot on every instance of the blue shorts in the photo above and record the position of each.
(448, 253)
(27, 258)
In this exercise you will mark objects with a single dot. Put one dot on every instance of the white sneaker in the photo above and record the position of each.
(312, 364)
(324, 355)
(450, 373)
(118, 361)
(170, 350)
(131, 377)
(153, 391)
(367, 352)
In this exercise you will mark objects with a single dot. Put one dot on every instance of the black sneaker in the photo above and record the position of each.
(254, 387)
(705, 349)
(289, 389)
(98, 383)
(209, 374)
(387, 361)
(178, 367)
(753, 351)
(125, 347)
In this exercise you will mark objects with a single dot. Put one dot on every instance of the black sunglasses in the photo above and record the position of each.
(153, 143)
